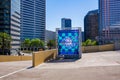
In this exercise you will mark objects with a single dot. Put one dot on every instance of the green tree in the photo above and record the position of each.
(42, 44)
(83, 44)
(94, 43)
(37, 43)
(5, 40)
(89, 42)
(27, 43)
(51, 43)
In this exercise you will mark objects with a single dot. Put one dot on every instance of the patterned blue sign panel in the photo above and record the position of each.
(68, 42)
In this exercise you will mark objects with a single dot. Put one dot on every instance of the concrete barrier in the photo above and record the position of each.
(14, 58)
(42, 56)
(87, 49)
(109, 47)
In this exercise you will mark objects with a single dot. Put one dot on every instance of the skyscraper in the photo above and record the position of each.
(91, 25)
(50, 35)
(66, 23)
(33, 19)
(109, 19)
(10, 20)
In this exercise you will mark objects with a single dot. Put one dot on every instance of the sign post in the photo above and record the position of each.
(69, 43)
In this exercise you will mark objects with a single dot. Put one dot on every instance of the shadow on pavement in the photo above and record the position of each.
(30, 67)
(62, 60)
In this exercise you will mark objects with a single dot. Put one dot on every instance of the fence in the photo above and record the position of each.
(14, 58)
(87, 49)
(42, 56)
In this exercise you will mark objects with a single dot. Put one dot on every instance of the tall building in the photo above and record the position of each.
(10, 20)
(33, 19)
(50, 35)
(109, 20)
(91, 25)
(66, 23)
(82, 36)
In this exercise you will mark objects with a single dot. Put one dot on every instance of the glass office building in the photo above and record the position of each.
(10, 20)
(109, 19)
(66, 23)
(33, 19)
(91, 25)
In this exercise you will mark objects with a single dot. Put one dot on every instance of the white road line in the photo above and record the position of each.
(12, 73)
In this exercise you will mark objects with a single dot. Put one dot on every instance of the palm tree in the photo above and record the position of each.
(5, 40)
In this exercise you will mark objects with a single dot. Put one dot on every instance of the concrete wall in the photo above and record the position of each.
(42, 56)
(87, 49)
(14, 58)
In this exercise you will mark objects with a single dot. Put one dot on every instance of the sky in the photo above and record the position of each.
(73, 9)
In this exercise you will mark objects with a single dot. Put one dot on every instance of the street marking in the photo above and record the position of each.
(12, 73)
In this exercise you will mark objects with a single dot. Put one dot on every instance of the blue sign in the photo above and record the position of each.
(68, 42)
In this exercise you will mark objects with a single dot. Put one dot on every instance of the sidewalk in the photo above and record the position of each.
(92, 66)
(9, 67)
